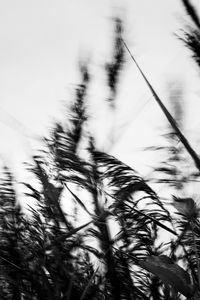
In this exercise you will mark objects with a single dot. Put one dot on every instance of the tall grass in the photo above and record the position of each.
(48, 256)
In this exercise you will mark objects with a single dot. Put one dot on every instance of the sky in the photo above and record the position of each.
(41, 42)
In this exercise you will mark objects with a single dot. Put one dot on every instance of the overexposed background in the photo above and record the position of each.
(41, 42)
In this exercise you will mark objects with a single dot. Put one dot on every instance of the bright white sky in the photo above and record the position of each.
(41, 42)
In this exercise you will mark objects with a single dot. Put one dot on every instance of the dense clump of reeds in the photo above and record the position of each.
(48, 255)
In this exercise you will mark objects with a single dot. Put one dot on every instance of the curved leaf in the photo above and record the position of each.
(169, 272)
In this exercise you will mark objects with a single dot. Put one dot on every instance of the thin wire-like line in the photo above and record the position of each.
(9, 262)
(132, 121)
(9, 120)
(143, 106)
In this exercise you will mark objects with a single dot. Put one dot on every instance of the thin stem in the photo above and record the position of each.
(169, 117)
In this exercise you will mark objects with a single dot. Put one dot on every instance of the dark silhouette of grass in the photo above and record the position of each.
(47, 255)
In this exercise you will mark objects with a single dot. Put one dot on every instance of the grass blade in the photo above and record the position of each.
(169, 117)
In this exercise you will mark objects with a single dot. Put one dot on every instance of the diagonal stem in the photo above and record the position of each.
(169, 117)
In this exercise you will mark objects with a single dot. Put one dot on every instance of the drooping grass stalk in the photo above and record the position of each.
(169, 117)
(147, 216)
